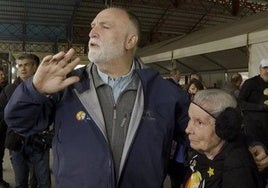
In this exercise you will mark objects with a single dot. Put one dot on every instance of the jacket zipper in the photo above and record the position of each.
(114, 122)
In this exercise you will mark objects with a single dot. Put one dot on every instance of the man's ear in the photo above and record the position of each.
(131, 42)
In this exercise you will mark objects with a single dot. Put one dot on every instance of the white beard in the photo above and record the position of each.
(105, 52)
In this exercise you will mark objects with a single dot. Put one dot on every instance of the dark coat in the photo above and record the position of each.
(255, 112)
(232, 167)
(82, 156)
(4, 98)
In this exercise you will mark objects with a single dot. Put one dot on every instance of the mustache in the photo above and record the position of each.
(94, 41)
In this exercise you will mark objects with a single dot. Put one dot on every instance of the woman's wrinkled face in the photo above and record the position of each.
(201, 130)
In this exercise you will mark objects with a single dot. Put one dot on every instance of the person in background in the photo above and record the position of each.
(221, 158)
(114, 118)
(23, 154)
(233, 86)
(193, 87)
(196, 76)
(253, 101)
(3, 79)
(176, 167)
(3, 129)
(175, 76)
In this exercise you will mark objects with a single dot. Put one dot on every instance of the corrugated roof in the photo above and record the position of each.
(69, 20)
(47, 25)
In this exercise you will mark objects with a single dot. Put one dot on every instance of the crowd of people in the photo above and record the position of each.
(117, 123)
(250, 99)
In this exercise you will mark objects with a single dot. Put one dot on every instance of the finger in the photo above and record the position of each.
(69, 67)
(57, 58)
(264, 163)
(69, 81)
(69, 54)
(46, 60)
(64, 71)
(67, 57)
(260, 156)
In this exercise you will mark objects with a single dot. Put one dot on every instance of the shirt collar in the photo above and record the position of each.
(105, 78)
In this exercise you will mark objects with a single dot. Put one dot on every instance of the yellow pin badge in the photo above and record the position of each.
(82, 116)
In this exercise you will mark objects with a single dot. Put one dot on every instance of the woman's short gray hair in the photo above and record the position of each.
(214, 100)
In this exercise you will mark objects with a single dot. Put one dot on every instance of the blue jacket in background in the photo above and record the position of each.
(81, 152)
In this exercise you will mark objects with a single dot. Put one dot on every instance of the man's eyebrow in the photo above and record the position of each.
(101, 23)
(23, 63)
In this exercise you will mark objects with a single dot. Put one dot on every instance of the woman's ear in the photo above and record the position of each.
(131, 42)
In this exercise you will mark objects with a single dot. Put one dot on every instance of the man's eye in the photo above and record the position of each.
(106, 27)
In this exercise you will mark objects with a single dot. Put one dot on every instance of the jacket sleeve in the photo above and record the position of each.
(28, 111)
(183, 118)
(241, 177)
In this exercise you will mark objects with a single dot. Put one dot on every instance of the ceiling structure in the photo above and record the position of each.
(49, 26)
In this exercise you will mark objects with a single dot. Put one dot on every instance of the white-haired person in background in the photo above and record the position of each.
(220, 158)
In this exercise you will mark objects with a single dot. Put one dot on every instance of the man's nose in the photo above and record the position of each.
(93, 32)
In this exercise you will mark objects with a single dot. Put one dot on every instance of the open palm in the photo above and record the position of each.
(51, 75)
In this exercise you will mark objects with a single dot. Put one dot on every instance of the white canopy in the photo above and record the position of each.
(249, 30)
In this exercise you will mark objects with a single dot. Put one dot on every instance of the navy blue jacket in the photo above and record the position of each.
(81, 153)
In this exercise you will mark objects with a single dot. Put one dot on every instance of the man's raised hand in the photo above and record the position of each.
(51, 75)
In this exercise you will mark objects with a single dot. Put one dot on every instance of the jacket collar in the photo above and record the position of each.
(145, 74)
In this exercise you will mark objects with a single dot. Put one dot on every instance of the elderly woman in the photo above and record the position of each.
(220, 159)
